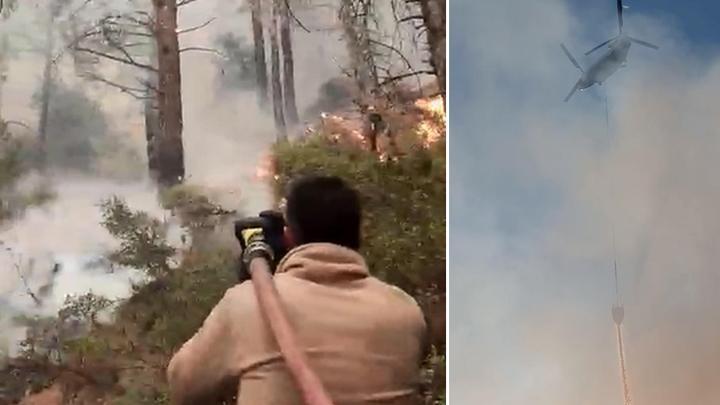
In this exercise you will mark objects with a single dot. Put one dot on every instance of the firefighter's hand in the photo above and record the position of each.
(256, 246)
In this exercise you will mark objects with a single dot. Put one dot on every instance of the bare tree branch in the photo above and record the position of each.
(405, 76)
(146, 84)
(138, 34)
(138, 93)
(393, 49)
(134, 44)
(28, 290)
(411, 18)
(201, 26)
(202, 49)
(147, 22)
(19, 123)
(130, 62)
(79, 9)
(292, 14)
(185, 2)
(145, 14)
(125, 53)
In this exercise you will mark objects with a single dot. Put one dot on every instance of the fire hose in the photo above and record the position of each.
(311, 388)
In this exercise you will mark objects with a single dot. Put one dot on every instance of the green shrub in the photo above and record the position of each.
(403, 202)
(170, 310)
(10, 161)
(166, 311)
(195, 209)
(142, 238)
(84, 307)
(182, 196)
(404, 244)
(404, 215)
(88, 349)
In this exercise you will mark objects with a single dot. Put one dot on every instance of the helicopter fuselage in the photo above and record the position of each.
(608, 64)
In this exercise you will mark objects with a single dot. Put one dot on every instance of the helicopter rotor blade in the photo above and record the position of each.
(574, 89)
(644, 43)
(599, 46)
(620, 14)
(572, 59)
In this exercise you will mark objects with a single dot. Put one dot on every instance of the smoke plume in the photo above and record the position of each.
(539, 187)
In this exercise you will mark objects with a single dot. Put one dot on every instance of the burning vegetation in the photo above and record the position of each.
(389, 132)
(391, 148)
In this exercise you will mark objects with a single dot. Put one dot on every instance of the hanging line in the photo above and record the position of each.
(621, 346)
(612, 195)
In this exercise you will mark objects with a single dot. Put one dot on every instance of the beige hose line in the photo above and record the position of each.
(311, 388)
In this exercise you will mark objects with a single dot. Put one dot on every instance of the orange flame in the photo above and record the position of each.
(430, 133)
(432, 129)
(434, 106)
(266, 168)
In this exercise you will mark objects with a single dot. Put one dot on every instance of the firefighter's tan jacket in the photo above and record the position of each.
(363, 337)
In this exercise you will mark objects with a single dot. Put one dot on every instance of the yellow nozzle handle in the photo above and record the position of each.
(249, 233)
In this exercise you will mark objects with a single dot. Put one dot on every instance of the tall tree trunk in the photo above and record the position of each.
(433, 12)
(276, 84)
(288, 64)
(152, 134)
(260, 60)
(354, 16)
(169, 151)
(368, 56)
(3, 68)
(152, 118)
(46, 91)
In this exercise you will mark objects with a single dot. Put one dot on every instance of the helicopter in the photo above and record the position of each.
(610, 62)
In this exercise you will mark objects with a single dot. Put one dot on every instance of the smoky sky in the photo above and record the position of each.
(541, 189)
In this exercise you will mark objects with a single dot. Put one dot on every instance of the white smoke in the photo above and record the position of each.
(225, 136)
(537, 185)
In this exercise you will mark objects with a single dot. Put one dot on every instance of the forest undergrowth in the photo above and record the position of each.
(101, 351)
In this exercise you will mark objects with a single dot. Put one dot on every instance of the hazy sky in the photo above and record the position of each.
(537, 184)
